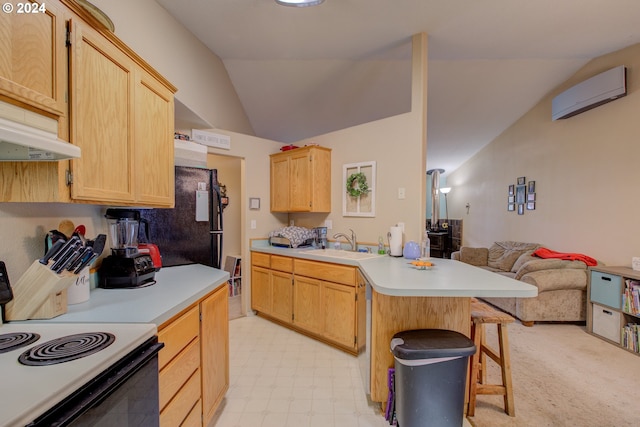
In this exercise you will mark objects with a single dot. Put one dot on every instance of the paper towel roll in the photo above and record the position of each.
(395, 241)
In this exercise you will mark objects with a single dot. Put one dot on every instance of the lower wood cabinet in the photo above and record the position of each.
(194, 363)
(324, 300)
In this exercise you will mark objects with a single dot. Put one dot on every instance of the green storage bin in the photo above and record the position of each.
(606, 289)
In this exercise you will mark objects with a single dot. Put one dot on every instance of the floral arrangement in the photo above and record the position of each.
(357, 185)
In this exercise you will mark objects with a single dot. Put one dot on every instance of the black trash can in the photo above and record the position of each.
(430, 377)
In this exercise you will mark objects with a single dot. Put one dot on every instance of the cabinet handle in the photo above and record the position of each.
(608, 279)
(607, 312)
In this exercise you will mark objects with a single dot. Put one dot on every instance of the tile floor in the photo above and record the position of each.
(281, 378)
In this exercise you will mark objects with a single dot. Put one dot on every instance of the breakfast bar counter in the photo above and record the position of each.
(401, 297)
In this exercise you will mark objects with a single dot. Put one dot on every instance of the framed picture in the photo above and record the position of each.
(521, 180)
(531, 206)
(512, 199)
(531, 197)
(511, 189)
(521, 191)
(511, 207)
(532, 187)
(520, 209)
(355, 177)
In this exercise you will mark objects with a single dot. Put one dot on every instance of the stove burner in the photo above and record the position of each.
(11, 341)
(66, 348)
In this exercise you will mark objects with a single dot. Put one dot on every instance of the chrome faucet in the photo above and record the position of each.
(351, 241)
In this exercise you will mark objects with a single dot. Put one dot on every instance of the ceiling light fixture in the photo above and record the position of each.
(299, 3)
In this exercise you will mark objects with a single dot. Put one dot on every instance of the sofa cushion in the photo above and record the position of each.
(474, 256)
(522, 260)
(502, 255)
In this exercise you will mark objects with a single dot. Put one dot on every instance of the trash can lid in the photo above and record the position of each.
(430, 343)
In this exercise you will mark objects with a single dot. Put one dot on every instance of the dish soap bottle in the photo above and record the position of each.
(426, 246)
(381, 250)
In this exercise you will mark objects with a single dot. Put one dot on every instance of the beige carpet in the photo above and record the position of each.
(564, 377)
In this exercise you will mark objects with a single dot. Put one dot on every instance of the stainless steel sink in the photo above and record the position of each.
(337, 253)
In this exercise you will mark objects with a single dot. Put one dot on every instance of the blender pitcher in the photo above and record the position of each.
(123, 230)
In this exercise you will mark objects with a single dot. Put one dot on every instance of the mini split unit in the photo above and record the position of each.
(591, 93)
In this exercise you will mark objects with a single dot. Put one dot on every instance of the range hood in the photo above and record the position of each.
(19, 143)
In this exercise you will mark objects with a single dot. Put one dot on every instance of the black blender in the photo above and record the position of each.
(126, 267)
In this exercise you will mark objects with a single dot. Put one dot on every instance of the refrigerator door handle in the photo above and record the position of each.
(216, 231)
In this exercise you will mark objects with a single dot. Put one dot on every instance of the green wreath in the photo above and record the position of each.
(361, 188)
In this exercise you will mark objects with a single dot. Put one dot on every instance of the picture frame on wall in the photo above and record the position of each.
(521, 180)
(511, 207)
(532, 187)
(531, 206)
(512, 199)
(521, 191)
(521, 209)
(511, 189)
(531, 197)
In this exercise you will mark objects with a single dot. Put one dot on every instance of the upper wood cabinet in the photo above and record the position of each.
(120, 112)
(301, 180)
(33, 60)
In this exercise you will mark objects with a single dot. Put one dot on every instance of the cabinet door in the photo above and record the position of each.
(154, 128)
(214, 333)
(300, 182)
(102, 90)
(282, 303)
(33, 58)
(339, 314)
(261, 289)
(361, 312)
(280, 184)
(307, 304)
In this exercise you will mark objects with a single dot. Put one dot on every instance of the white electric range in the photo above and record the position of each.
(30, 391)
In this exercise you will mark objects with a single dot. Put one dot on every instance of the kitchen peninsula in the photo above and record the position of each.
(401, 297)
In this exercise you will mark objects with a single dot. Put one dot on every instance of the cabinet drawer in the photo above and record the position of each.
(325, 271)
(177, 335)
(178, 371)
(181, 405)
(260, 259)
(194, 419)
(606, 289)
(606, 323)
(282, 263)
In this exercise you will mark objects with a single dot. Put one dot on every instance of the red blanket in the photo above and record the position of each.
(548, 253)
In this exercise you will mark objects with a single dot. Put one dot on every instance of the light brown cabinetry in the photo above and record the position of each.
(301, 180)
(194, 363)
(33, 59)
(119, 112)
(214, 336)
(326, 300)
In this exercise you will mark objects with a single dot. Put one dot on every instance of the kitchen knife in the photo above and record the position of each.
(74, 258)
(68, 245)
(6, 294)
(52, 251)
(83, 254)
(85, 263)
(99, 243)
(62, 259)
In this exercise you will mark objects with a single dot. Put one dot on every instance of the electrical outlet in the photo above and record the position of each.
(291, 223)
(328, 223)
(253, 224)
(401, 193)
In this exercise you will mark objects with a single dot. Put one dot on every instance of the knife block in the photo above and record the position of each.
(39, 293)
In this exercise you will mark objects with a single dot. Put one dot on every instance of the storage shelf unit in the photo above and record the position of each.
(613, 306)
(233, 264)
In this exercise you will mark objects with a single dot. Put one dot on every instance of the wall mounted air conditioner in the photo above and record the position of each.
(591, 93)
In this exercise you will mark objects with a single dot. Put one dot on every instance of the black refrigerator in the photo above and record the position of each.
(190, 233)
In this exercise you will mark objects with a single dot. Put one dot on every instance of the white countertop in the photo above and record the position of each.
(176, 288)
(396, 277)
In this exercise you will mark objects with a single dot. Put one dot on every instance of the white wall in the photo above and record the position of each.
(585, 168)
(200, 76)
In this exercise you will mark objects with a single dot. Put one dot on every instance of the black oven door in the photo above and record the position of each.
(125, 395)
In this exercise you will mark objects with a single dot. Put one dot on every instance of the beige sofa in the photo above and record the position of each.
(561, 284)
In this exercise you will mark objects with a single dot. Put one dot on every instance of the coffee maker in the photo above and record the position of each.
(126, 267)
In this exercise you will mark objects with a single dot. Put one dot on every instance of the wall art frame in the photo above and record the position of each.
(361, 204)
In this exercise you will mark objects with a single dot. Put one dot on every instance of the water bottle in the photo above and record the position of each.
(426, 246)
(381, 250)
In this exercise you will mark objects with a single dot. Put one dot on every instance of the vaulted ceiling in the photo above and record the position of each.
(301, 72)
